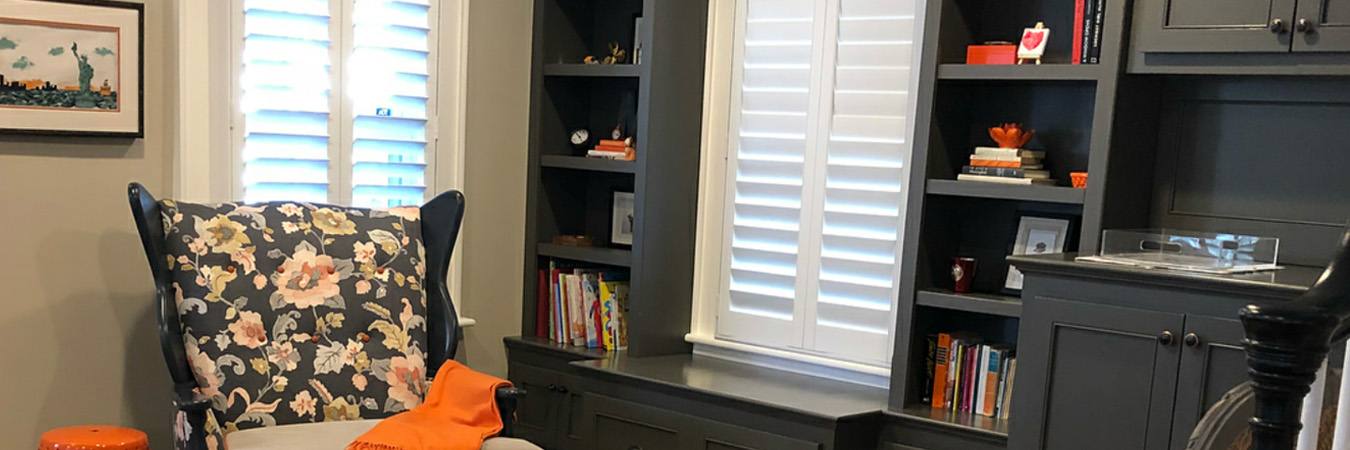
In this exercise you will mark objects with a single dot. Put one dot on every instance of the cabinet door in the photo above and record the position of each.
(1326, 27)
(720, 436)
(1093, 376)
(612, 424)
(1213, 25)
(535, 412)
(568, 414)
(1211, 364)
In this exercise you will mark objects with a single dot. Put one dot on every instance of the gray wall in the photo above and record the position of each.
(75, 293)
(497, 142)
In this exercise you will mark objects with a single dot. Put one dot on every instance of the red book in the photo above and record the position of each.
(969, 372)
(616, 143)
(541, 309)
(610, 148)
(1077, 32)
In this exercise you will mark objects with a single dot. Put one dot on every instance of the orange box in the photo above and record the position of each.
(991, 54)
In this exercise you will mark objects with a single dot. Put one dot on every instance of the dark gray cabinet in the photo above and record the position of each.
(1242, 26)
(1094, 376)
(550, 413)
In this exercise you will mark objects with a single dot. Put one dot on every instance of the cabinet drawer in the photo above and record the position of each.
(620, 425)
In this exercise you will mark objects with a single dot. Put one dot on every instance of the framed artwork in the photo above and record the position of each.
(621, 225)
(72, 67)
(1036, 236)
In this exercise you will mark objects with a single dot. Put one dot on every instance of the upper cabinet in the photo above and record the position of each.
(1242, 26)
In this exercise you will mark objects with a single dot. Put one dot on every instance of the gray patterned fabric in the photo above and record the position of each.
(298, 313)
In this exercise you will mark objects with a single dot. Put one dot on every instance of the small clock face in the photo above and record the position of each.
(616, 134)
(580, 137)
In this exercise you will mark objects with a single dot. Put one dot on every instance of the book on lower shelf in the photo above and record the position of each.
(582, 305)
(1006, 180)
(969, 375)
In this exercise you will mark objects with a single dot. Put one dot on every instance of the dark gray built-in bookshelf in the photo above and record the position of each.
(1072, 108)
(659, 103)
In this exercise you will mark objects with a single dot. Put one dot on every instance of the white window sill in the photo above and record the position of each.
(864, 374)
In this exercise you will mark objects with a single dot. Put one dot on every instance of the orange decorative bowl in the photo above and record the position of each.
(95, 437)
(1079, 179)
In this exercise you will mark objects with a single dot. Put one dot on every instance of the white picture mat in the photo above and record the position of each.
(127, 120)
(621, 226)
(1052, 233)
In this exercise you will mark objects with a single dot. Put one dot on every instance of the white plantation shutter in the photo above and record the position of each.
(388, 82)
(816, 198)
(285, 99)
(363, 144)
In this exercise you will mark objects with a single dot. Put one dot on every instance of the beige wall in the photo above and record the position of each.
(76, 317)
(495, 161)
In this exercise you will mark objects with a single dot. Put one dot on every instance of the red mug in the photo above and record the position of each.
(963, 274)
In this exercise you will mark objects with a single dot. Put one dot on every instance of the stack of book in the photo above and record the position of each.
(1007, 166)
(614, 149)
(582, 306)
(967, 375)
(1087, 31)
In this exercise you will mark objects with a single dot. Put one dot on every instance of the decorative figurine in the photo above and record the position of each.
(616, 54)
(590, 61)
(1011, 135)
(1033, 43)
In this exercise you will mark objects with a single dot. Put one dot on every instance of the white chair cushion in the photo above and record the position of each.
(329, 436)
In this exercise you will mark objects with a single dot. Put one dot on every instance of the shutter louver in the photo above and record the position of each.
(816, 179)
(388, 82)
(285, 100)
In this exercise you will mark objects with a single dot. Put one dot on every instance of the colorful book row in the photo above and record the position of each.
(585, 307)
(964, 374)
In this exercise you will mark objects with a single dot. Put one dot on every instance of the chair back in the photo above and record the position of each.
(290, 312)
(1287, 344)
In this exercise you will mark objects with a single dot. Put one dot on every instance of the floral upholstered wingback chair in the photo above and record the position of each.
(287, 313)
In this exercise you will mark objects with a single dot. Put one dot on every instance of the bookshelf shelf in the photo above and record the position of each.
(591, 164)
(993, 304)
(592, 70)
(1027, 72)
(596, 255)
(958, 420)
(1031, 193)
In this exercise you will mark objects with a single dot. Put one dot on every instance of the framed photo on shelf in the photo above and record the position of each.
(1036, 236)
(72, 67)
(621, 221)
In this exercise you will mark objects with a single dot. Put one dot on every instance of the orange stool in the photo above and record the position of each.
(94, 437)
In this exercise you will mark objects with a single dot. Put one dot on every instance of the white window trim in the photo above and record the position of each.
(712, 207)
(204, 159)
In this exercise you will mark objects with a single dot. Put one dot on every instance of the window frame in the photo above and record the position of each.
(716, 199)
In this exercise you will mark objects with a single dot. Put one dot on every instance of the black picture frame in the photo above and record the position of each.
(139, 82)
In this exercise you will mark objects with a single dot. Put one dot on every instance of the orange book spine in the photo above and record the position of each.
(993, 163)
(940, 370)
(614, 143)
(990, 392)
(610, 148)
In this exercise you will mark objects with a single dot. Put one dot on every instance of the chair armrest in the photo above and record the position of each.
(191, 401)
(507, 397)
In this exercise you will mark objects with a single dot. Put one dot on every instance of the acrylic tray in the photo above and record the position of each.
(1194, 251)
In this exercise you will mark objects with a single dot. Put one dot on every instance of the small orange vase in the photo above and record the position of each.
(94, 437)
(1079, 179)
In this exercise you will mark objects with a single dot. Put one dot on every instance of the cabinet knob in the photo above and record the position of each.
(1191, 340)
(1277, 26)
(634, 448)
(1165, 338)
(1303, 26)
(562, 389)
(553, 388)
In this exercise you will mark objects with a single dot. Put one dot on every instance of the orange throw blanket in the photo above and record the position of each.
(459, 414)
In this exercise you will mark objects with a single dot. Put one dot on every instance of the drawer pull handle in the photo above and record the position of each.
(1191, 340)
(1277, 26)
(634, 448)
(562, 389)
(1303, 26)
(553, 388)
(1165, 338)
